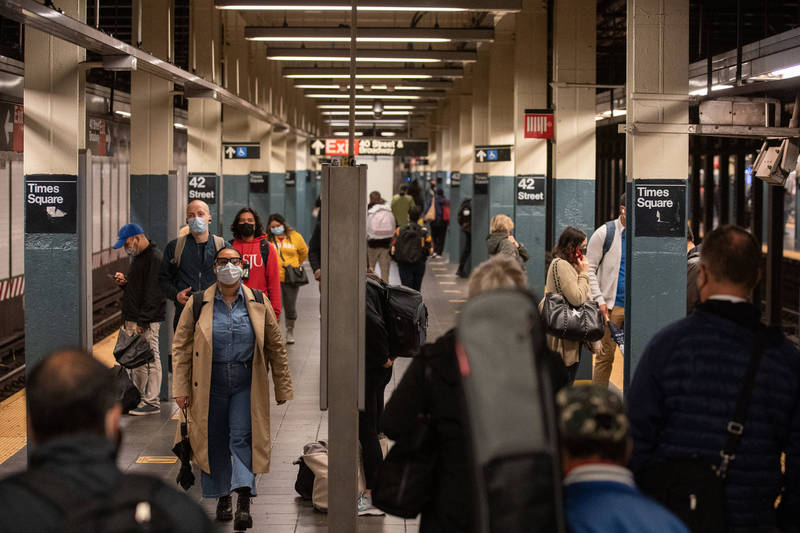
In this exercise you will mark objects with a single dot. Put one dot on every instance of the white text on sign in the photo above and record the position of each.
(649, 198)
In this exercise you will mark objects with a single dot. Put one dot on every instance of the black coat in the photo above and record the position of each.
(86, 465)
(143, 302)
(449, 508)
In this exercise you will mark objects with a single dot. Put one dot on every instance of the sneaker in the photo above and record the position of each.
(365, 507)
(145, 410)
(290, 336)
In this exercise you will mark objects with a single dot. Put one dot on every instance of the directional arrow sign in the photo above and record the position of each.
(242, 150)
(318, 147)
(492, 154)
(230, 152)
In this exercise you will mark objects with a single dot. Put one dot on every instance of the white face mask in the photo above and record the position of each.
(229, 274)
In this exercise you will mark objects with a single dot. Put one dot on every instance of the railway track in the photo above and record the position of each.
(107, 318)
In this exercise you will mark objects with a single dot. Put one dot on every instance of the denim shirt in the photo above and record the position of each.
(233, 337)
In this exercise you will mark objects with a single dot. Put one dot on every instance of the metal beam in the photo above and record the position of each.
(496, 6)
(383, 35)
(714, 130)
(57, 24)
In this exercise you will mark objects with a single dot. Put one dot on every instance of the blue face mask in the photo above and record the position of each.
(278, 230)
(197, 225)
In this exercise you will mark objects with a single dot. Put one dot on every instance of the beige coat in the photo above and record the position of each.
(575, 288)
(191, 369)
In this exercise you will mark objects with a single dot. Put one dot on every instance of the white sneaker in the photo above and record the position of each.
(365, 507)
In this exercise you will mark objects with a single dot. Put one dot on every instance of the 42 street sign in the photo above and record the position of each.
(492, 153)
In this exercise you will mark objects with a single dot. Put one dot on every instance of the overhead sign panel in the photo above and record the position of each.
(245, 150)
(337, 147)
(539, 124)
(492, 153)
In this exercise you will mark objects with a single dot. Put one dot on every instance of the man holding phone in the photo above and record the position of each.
(143, 309)
(606, 256)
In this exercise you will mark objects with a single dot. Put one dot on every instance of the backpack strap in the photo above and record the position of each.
(219, 242)
(180, 244)
(611, 230)
(258, 295)
(197, 304)
(736, 425)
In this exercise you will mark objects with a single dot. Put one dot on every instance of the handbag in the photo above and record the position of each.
(691, 487)
(293, 275)
(405, 482)
(582, 323)
(430, 214)
(132, 351)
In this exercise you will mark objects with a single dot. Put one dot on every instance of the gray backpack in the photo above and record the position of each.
(180, 244)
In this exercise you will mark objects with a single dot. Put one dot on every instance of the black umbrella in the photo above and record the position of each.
(183, 450)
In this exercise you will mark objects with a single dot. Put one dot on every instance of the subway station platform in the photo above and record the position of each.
(147, 440)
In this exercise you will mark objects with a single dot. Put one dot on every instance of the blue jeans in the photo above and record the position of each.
(230, 437)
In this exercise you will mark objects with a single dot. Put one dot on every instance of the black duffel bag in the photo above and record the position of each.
(132, 351)
(565, 321)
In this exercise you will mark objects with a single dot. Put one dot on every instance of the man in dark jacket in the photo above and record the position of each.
(685, 390)
(188, 264)
(73, 420)
(143, 307)
(315, 244)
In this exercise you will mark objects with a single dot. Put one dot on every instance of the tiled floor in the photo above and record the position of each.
(278, 509)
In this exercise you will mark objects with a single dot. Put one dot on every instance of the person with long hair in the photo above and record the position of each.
(292, 252)
(569, 275)
(259, 254)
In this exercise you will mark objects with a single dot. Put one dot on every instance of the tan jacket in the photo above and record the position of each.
(191, 369)
(575, 288)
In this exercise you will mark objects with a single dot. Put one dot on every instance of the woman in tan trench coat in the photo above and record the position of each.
(220, 375)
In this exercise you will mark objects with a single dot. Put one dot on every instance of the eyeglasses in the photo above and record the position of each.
(222, 261)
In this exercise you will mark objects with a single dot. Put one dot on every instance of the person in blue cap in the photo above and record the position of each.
(143, 310)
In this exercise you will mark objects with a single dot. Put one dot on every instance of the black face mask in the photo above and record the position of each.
(246, 230)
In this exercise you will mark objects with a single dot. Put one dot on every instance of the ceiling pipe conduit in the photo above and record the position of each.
(57, 24)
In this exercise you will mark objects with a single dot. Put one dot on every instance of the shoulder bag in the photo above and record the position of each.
(132, 351)
(405, 482)
(693, 488)
(582, 323)
(293, 275)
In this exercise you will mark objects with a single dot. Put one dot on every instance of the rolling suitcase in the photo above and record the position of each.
(511, 415)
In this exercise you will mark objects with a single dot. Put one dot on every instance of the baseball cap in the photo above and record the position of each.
(125, 232)
(593, 413)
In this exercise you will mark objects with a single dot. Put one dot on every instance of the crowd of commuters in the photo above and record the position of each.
(714, 403)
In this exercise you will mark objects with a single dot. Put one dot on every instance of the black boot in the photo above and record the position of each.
(224, 509)
(243, 520)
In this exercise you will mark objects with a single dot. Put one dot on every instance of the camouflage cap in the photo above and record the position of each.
(591, 412)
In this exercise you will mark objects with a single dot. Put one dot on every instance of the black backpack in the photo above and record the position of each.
(405, 316)
(128, 507)
(465, 212)
(197, 301)
(408, 245)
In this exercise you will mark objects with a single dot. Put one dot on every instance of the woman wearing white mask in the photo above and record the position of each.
(292, 253)
(221, 350)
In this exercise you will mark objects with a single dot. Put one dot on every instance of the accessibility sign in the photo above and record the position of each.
(241, 150)
(659, 208)
(492, 153)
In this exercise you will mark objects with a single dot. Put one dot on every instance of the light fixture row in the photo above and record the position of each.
(368, 35)
(374, 56)
(372, 73)
(448, 6)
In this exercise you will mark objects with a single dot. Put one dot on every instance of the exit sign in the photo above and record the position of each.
(539, 124)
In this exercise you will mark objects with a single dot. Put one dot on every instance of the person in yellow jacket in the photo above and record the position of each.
(292, 252)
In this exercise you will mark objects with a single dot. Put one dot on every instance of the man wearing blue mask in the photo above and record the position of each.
(143, 307)
(188, 264)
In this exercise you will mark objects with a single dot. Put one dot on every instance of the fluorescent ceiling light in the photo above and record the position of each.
(322, 86)
(366, 96)
(704, 90)
(388, 134)
(364, 113)
(617, 113)
(409, 88)
(122, 113)
(364, 55)
(180, 126)
(347, 133)
(372, 73)
(373, 5)
(367, 35)
(788, 72)
(360, 106)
